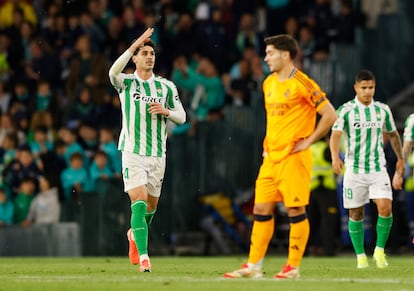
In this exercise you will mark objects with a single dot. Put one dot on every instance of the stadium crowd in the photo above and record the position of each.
(60, 116)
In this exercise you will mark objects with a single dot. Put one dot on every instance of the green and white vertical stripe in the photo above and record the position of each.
(409, 128)
(144, 133)
(362, 127)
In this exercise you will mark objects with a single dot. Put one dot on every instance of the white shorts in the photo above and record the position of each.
(140, 170)
(360, 188)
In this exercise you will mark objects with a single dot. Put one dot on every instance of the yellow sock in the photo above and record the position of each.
(298, 238)
(262, 233)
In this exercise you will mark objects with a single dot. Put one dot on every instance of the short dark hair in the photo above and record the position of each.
(148, 43)
(283, 42)
(364, 75)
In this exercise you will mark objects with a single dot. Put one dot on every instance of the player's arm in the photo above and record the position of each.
(175, 112)
(334, 145)
(120, 63)
(397, 181)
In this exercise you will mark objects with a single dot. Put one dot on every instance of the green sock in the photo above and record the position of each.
(356, 232)
(383, 230)
(149, 216)
(139, 226)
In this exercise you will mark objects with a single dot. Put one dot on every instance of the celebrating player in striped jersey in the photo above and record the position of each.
(363, 122)
(292, 102)
(147, 102)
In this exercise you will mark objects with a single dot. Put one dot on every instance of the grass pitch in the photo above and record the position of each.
(200, 274)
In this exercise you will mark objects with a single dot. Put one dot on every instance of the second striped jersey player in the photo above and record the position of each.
(362, 127)
(363, 121)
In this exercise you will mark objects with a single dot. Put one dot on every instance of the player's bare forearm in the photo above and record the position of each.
(334, 141)
(397, 147)
(396, 144)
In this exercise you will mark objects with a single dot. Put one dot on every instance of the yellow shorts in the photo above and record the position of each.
(286, 181)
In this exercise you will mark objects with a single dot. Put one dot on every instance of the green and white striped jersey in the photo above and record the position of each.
(144, 133)
(409, 128)
(363, 127)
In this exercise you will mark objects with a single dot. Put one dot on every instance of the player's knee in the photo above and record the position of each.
(298, 218)
(259, 217)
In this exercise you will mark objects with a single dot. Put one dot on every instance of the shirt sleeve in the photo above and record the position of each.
(339, 124)
(115, 72)
(389, 124)
(409, 128)
(175, 107)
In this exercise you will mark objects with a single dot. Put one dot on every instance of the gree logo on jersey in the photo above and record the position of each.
(369, 124)
(147, 99)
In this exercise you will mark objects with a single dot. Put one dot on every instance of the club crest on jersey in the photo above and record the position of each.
(378, 115)
(147, 99)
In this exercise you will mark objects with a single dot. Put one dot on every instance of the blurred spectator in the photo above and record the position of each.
(239, 89)
(248, 36)
(110, 110)
(204, 83)
(115, 43)
(292, 27)
(45, 206)
(323, 206)
(23, 199)
(73, 31)
(108, 145)
(8, 149)
(21, 168)
(21, 121)
(5, 97)
(70, 138)
(7, 12)
(27, 32)
(321, 20)
(40, 144)
(82, 109)
(45, 119)
(45, 99)
(345, 23)
(306, 42)
(214, 40)
(21, 95)
(87, 69)
(7, 126)
(131, 25)
(5, 68)
(100, 12)
(93, 30)
(6, 209)
(186, 35)
(45, 64)
(89, 140)
(100, 168)
(75, 178)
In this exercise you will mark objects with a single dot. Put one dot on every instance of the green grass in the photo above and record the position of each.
(199, 274)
